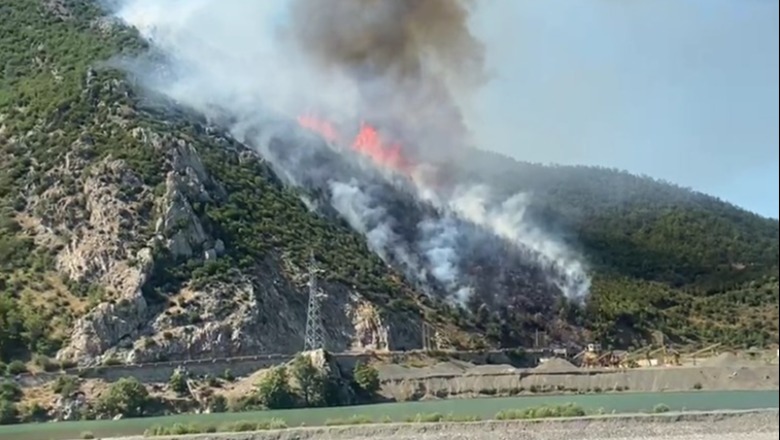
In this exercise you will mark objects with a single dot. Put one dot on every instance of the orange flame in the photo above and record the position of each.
(367, 142)
(324, 128)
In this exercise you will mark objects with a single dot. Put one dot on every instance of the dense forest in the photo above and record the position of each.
(664, 258)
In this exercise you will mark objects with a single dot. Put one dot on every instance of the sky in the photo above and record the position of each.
(681, 90)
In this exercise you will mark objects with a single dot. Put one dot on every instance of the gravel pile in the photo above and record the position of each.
(556, 365)
(727, 360)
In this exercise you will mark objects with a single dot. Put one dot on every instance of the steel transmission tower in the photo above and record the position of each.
(315, 334)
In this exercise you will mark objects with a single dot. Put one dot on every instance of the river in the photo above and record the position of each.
(484, 408)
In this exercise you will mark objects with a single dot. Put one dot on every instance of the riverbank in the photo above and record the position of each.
(754, 425)
(484, 409)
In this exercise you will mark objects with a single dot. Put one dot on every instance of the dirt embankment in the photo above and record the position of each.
(448, 380)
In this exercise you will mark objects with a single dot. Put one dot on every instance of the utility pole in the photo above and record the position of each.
(315, 334)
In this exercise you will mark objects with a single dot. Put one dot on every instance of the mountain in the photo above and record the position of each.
(132, 227)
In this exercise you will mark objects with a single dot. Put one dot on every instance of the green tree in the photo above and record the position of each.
(274, 389)
(66, 385)
(32, 413)
(16, 367)
(366, 377)
(217, 403)
(10, 391)
(311, 381)
(126, 396)
(178, 383)
(8, 412)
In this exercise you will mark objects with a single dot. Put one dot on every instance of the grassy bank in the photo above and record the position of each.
(539, 412)
(452, 410)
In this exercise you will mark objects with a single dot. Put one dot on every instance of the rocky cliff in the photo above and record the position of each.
(127, 230)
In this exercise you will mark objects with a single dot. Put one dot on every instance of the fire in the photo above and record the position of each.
(367, 142)
(324, 128)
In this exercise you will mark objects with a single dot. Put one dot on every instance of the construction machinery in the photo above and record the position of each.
(709, 349)
(661, 356)
(589, 357)
(632, 359)
(593, 356)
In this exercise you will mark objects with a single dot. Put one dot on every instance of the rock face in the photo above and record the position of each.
(110, 228)
(70, 408)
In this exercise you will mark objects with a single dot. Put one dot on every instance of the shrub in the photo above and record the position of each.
(354, 420)
(213, 381)
(366, 377)
(436, 418)
(87, 435)
(217, 403)
(67, 364)
(66, 385)
(32, 413)
(542, 412)
(8, 412)
(45, 363)
(697, 386)
(16, 367)
(262, 425)
(126, 396)
(178, 383)
(310, 380)
(10, 391)
(274, 391)
(112, 361)
(661, 408)
(175, 429)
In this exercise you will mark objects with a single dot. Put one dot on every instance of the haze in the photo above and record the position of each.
(682, 90)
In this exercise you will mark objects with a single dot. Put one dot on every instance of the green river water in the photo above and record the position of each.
(483, 408)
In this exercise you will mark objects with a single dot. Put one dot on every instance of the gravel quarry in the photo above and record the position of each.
(452, 379)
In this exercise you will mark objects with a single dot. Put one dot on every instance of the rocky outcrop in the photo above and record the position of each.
(101, 251)
(96, 253)
(107, 226)
(179, 222)
(263, 314)
(100, 248)
(70, 408)
(370, 332)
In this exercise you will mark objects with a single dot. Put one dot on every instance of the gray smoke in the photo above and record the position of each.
(402, 64)
(364, 216)
(402, 55)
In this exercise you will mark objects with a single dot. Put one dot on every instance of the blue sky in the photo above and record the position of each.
(683, 90)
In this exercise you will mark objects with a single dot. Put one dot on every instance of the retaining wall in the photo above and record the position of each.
(246, 365)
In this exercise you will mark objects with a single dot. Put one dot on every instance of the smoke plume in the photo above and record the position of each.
(398, 67)
(405, 56)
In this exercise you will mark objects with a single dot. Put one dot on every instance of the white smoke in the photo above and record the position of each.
(365, 217)
(230, 54)
(439, 240)
(508, 221)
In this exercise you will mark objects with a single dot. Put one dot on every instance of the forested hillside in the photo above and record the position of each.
(666, 257)
(103, 195)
